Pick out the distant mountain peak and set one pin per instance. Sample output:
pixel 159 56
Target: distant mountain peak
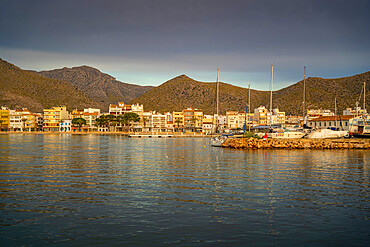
pixel 97 85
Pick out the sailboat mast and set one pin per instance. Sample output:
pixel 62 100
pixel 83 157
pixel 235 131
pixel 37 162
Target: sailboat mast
pixel 249 106
pixel 335 112
pixel 217 90
pixel 272 78
pixel 364 96
pixel 304 94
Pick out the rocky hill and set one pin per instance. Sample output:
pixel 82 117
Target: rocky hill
pixel 98 86
pixel 26 89
pixel 321 93
pixel 182 92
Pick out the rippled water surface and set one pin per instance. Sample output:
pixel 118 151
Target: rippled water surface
pixel 91 190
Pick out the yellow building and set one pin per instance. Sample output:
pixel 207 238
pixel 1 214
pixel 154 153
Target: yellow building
pixel 198 117
pixel 178 120
pixel 4 118
pixel 53 118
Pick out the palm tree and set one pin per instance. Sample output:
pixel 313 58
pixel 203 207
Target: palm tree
pixel 144 120
pixel 24 120
pixel 178 121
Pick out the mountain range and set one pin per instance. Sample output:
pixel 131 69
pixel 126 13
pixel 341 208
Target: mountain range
pixel 99 86
pixel 85 86
pixel 182 92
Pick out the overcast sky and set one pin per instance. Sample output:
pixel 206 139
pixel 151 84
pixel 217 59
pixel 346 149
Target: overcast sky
pixel 149 42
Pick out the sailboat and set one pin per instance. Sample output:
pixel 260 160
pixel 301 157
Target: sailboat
pixel 330 132
pixel 360 125
pixel 219 139
pixel 281 133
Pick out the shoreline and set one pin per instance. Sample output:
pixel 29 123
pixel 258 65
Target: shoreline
pixel 143 134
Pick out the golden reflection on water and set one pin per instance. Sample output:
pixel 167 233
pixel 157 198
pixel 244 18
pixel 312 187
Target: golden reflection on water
pixel 54 174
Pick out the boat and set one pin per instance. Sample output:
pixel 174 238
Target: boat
pixel 217 141
pixel 327 134
pixel 360 126
pixel 278 132
pixel 285 134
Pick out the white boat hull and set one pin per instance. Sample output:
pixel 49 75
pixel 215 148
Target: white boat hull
pixel 217 141
pixel 286 135
pixel 327 134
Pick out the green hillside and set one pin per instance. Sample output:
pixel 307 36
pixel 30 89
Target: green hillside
pixel 182 92
pixel 26 89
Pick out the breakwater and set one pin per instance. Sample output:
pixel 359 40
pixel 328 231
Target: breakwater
pixel 253 143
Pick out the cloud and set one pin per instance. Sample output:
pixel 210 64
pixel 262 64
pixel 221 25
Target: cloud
pixel 238 69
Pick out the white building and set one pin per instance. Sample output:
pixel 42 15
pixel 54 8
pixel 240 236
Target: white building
pixel 66 125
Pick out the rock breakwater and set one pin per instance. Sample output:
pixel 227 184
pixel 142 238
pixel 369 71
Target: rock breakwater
pixel 253 143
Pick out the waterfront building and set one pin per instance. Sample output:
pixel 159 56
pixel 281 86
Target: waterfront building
pixel 170 126
pixel 138 109
pixel 178 120
pixel 324 122
pixel 264 117
pixel 65 125
pixel 356 111
pixel 158 122
pixel 21 120
pixel 260 115
pixel 189 120
pixel 208 126
pixel 90 115
pixel 146 121
pixel 198 118
pixel 222 122
pixel 53 118
pixel 30 121
pixel 119 109
pixel 280 117
pixel 16 123
pixel 315 113
pixel 232 119
pixel 4 118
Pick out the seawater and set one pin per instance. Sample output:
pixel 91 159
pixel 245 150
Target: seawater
pixel 105 190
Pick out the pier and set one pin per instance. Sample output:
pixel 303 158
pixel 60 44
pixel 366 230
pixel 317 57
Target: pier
pixel 253 143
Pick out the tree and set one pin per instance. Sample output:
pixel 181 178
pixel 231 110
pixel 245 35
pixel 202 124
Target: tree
pixel 24 120
pixel 145 120
pixel 178 121
pixel 130 117
pixel 79 121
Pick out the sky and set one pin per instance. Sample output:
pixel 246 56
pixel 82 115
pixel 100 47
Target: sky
pixel 148 42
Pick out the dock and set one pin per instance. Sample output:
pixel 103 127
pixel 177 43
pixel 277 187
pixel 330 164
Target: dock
pixel 150 136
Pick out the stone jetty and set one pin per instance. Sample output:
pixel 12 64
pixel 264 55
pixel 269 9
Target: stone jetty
pixel 253 143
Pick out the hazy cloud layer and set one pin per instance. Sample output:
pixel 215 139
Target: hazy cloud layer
pixel 148 42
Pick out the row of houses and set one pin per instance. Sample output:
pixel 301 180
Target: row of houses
pixel 58 119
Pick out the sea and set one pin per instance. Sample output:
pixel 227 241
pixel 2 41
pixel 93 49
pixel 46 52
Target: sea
pixel 111 190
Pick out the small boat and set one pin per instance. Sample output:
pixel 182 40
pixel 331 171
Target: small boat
pixel 359 127
pixel 285 134
pixel 327 134
pixel 217 141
